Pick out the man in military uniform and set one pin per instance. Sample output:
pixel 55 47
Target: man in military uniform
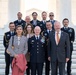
pixel 71 33
pixel 35 22
pixel 43 22
pixel 19 21
pixel 51 16
pixel 37 52
pixel 6 39
pixel 46 34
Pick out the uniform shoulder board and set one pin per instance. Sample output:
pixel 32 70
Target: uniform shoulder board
pixel 5 35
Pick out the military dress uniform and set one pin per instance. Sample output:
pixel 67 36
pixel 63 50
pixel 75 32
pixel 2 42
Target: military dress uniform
pixel 47 63
pixel 20 22
pixel 6 39
pixel 42 25
pixel 52 22
pixel 37 54
pixel 35 23
pixel 71 33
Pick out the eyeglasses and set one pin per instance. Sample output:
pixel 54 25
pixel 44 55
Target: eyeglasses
pixel 51 15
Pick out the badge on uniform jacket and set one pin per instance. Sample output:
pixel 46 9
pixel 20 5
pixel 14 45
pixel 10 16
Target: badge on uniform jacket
pixel 8 35
pixel 43 40
pixel 32 41
pixel 45 34
pixel 70 30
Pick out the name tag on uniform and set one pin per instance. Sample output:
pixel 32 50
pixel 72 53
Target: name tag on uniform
pixel 45 34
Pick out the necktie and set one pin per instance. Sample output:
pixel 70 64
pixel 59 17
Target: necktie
pixel 52 22
pixel 19 21
pixel 44 22
pixel 37 38
pixel 35 22
pixel 65 28
pixel 12 33
pixel 58 39
pixel 49 31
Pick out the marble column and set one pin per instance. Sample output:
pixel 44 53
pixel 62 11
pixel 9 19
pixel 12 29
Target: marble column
pixel 3 12
pixel 52 6
pixel 23 8
pixel 64 9
pixel 13 9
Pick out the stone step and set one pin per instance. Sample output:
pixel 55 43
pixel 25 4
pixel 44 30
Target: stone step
pixel 2 57
pixel 74 71
pixel 2 62
pixel 73 61
pixel 3 72
pixel 74 56
pixel 73 66
pixel 2 66
pixel 2 52
pixel 74 51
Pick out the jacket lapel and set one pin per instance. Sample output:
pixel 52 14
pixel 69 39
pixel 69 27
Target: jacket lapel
pixel 54 37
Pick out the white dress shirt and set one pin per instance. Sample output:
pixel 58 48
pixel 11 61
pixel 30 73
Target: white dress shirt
pixel 44 21
pixel 66 27
pixel 35 22
pixel 37 37
pixel 49 30
pixel 19 40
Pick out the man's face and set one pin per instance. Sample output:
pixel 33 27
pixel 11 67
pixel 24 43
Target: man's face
pixel 19 15
pixel 65 23
pixel 12 27
pixel 57 26
pixel 37 30
pixel 34 16
pixel 51 16
pixel 27 19
pixel 44 16
pixel 49 25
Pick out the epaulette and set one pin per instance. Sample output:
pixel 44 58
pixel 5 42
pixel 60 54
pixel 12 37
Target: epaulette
pixel 5 38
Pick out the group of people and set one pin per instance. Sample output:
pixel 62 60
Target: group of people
pixel 44 43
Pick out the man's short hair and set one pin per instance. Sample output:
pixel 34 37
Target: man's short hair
pixel 34 13
pixel 48 21
pixel 44 12
pixel 11 23
pixel 65 19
